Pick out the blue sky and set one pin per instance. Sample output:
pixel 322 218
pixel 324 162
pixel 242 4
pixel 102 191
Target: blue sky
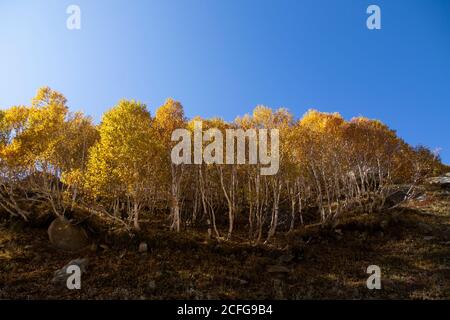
pixel 223 57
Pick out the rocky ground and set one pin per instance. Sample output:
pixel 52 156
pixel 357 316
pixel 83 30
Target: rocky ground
pixel 411 245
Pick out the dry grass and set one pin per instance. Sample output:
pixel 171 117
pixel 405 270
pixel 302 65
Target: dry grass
pixel 411 245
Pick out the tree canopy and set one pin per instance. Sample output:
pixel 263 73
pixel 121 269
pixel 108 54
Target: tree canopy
pixel 121 168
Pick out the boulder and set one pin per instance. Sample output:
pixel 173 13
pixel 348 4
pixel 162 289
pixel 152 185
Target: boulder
pixel 66 236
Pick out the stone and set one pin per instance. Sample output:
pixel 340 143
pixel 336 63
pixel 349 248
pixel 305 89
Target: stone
pixel 66 236
pixel 278 288
pixel 143 247
pixel 428 238
pixel 443 181
pixel 421 198
pixel 17 226
pixel 384 224
pixel 152 285
pixel 278 269
pixel 60 276
pixel 396 196
pixel 387 283
pixel 425 227
pixel 285 258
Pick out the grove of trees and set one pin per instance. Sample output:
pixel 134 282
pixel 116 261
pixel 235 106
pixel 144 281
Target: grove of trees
pixel 121 168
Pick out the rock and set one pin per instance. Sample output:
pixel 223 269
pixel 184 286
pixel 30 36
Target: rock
pixel 278 287
pixel 298 251
pixel 285 258
pixel 152 285
pixel 387 283
pixel 60 276
pixel 278 269
pixel 428 238
pixel 237 280
pixel 442 182
pixel 395 218
pixel 17 226
pixel 421 198
pixel 384 224
pixel 396 196
pixel 66 236
pixel 425 227
pixel 104 247
pixel 338 231
pixel 143 247
pixel 93 247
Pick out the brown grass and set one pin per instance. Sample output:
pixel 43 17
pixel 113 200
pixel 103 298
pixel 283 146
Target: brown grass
pixel 327 264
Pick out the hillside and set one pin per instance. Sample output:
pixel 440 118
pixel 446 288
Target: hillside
pixel 410 243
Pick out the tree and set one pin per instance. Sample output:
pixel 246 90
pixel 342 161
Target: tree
pixel 121 165
pixel 122 168
pixel 39 145
pixel 170 116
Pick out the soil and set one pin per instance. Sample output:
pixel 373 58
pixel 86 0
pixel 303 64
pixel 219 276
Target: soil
pixel 410 244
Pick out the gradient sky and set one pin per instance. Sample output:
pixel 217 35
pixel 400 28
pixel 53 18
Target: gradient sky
pixel 223 57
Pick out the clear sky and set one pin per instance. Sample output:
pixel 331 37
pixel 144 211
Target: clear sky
pixel 223 57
